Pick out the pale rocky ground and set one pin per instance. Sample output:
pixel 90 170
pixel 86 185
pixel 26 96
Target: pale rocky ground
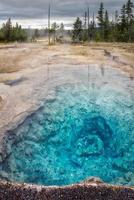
pixel 25 69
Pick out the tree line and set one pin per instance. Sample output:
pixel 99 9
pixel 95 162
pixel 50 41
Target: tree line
pixel 10 33
pixel 104 28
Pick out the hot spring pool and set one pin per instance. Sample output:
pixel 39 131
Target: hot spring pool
pixel 84 128
pixel 80 132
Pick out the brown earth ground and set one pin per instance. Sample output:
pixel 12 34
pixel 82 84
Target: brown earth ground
pixel 17 57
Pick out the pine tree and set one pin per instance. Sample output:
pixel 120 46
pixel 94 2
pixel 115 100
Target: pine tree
pixel 9 33
pixel 120 29
pixel 36 33
pixel 129 18
pixel 106 26
pixel 116 16
pixel 92 27
pixel 62 30
pixel 77 31
pixel 123 32
pixel 123 18
pixel 93 22
pixel 100 18
pixel 54 28
pixel 129 11
pixel 7 28
pixel 88 21
pixel 85 21
pixel 114 27
pixel 85 29
pixel 101 15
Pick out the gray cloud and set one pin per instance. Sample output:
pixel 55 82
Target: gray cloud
pixel 63 10
pixel 60 8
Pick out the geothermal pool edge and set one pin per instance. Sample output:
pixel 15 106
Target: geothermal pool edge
pixel 93 189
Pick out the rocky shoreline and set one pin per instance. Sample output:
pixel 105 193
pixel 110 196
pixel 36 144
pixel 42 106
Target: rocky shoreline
pixel 93 189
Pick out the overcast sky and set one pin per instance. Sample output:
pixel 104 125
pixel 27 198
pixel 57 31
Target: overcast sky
pixel 34 12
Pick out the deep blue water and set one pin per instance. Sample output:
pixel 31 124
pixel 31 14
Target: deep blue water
pixel 77 134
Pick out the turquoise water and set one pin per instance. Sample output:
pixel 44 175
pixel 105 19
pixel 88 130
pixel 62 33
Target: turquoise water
pixel 79 133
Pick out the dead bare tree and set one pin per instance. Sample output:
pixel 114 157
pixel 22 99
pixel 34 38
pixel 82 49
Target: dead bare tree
pixel 88 24
pixel 49 24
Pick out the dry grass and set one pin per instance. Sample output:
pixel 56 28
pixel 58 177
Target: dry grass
pixel 29 56
pixel 1 102
pixel 8 69
pixel 8 62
